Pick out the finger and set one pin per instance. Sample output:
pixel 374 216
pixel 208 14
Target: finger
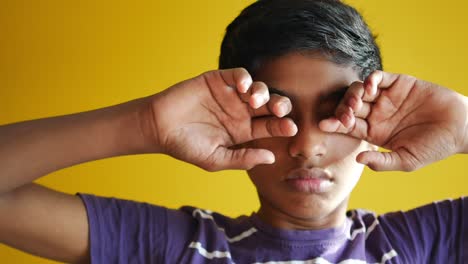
pixel 259 95
pixel 345 115
pixel 358 128
pixel 378 79
pixel 273 127
pixel 243 159
pixel 399 160
pixel 238 78
pixel 356 98
pixel 350 103
pixel 331 125
pixel 223 83
pixel 364 111
pixel 353 96
pixel 277 105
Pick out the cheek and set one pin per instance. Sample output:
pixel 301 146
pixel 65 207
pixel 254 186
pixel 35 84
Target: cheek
pixel 341 151
pixel 267 175
pixel 277 145
pixel 343 148
pixel 262 183
pixel 345 167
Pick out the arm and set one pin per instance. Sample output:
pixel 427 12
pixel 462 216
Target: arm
pixel 197 121
pixel 46 222
pixel 35 148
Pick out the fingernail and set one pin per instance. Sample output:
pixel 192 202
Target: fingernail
pixel 258 100
pixel 283 109
pixel 294 130
pixel 246 85
pixel 270 160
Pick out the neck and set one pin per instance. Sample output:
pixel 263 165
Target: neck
pixel 302 221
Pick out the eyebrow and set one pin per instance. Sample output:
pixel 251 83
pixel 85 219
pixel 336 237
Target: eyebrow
pixel 323 96
pixel 277 91
pixel 334 94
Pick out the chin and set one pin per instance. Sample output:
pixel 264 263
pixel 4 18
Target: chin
pixel 326 211
pixel 314 207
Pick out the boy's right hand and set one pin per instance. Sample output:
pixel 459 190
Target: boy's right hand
pixel 205 120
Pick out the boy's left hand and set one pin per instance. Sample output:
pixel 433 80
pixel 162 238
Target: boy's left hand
pixel 419 122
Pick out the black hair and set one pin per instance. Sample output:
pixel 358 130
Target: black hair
pixel 271 28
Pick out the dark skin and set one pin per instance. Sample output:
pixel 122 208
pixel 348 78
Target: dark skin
pixel 315 86
pixel 419 122
pixel 205 121
pixel 321 100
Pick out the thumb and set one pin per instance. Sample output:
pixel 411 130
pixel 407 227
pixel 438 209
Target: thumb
pixel 381 161
pixel 243 158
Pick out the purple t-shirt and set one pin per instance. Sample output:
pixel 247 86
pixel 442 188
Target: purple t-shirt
pixel 124 231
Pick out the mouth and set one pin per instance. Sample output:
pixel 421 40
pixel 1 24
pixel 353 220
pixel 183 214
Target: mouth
pixel 315 180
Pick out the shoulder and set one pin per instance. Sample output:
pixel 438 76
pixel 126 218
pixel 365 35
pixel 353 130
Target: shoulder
pixel 154 232
pixel 441 211
pixel 419 235
pixel 207 219
pixel 116 209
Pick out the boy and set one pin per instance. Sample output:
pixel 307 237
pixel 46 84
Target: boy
pixel 297 116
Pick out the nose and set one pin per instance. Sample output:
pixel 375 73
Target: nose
pixel 309 143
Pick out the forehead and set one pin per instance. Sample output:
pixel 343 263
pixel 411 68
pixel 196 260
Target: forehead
pixel 305 76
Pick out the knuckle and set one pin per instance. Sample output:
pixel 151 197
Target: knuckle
pixel 205 166
pixel 210 164
pixel 269 127
pixel 407 166
pixel 354 87
pixel 210 74
pixel 211 168
pixel 375 76
pixel 377 73
pixel 387 160
pixel 241 70
pixel 340 110
pixel 357 132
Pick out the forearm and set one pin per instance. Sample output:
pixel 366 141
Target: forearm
pixel 31 149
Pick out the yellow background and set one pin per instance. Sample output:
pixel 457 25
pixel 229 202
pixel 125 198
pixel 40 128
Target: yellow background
pixel 59 57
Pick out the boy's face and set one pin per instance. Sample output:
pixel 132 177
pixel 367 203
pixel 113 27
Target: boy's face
pixel 309 184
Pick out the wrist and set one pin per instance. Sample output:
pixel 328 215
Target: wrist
pixel 143 130
pixel 126 128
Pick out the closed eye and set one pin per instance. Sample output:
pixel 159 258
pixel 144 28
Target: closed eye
pixel 328 103
pixel 326 109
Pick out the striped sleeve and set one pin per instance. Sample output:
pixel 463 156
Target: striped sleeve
pixel 434 233
pixel 123 231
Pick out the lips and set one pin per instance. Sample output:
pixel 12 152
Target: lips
pixel 314 173
pixel 313 180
